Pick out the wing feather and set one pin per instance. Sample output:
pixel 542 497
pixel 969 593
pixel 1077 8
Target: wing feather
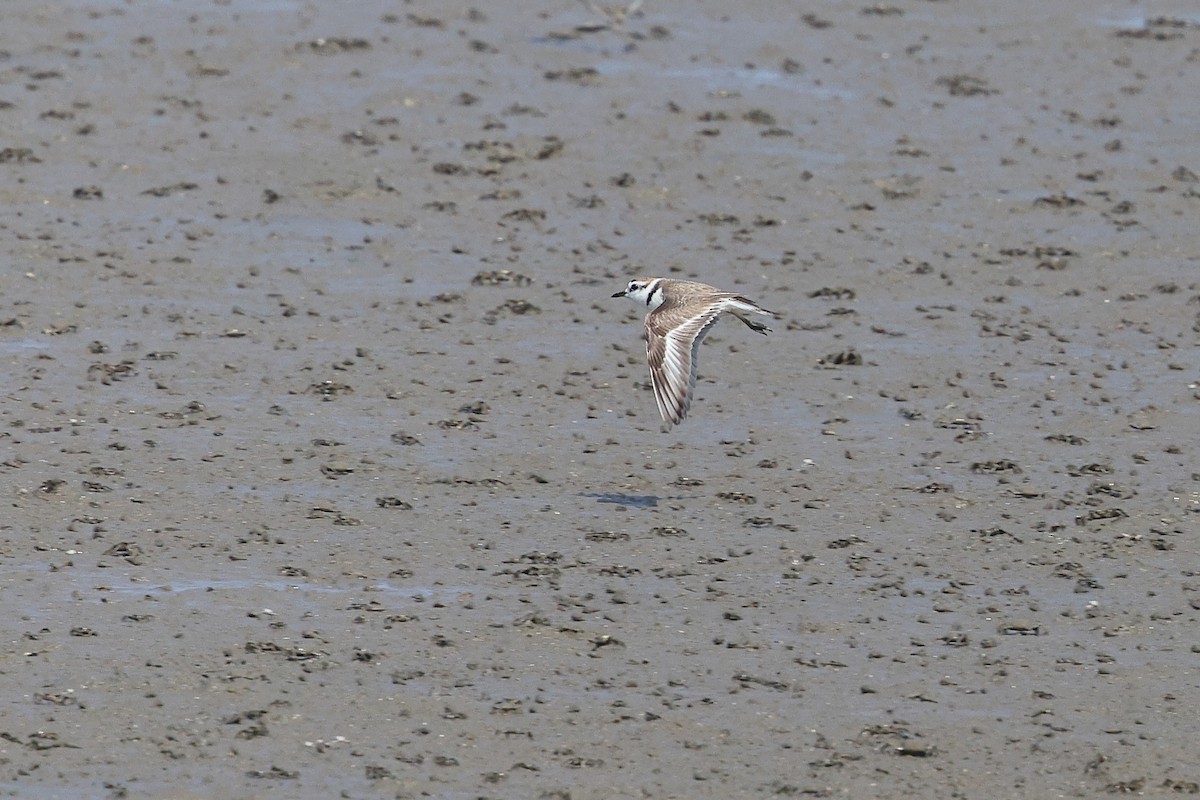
pixel 672 350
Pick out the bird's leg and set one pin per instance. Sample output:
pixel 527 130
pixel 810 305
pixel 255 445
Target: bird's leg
pixel 752 324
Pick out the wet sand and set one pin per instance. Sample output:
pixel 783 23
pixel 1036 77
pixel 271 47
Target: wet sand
pixel 332 467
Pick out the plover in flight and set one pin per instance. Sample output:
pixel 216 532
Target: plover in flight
pixel 681 315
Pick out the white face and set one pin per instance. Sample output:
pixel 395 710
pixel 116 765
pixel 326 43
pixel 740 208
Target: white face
pixel 640 291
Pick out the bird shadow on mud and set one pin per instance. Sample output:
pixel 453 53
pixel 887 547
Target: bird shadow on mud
pixel 631 500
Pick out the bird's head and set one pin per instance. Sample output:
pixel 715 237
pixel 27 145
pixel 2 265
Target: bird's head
pixel 643 290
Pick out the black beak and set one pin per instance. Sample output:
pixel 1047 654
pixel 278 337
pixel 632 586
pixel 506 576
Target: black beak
pixel 620 293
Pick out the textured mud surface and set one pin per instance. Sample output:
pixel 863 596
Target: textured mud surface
pixel 330 468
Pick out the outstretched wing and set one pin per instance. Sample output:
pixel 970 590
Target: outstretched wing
pixel 671 350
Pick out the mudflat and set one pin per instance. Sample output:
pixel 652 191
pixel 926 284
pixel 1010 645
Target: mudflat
pixel 331 466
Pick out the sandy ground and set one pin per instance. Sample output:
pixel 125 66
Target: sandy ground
pixel 331 468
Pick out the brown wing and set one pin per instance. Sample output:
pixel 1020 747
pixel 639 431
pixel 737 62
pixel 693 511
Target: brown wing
pixel 671 349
